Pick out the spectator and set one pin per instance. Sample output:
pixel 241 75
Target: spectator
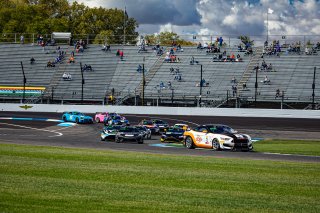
pixel 139 69
pixel 266 80
pixel 32 60
pixel 118 53
pixel 244 86
pixel 277 93
pixel 169 85
pixel 121 55
pixel 234 90
pixel 21 39
pixel 87 68
pixel 220 41
pixel 71 59
pixel 234 80
pixel 50 64
pixel 162 85
pixel 66 76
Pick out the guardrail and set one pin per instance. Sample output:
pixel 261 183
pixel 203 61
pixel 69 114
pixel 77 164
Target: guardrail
pixel 273 113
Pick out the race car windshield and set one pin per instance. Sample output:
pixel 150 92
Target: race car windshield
pixel 78 113
pixel 222 129
pixel 147 122
pixel 129 130
pixel 117 117
pixel 112 127
pixel 159 122
pixel 175 130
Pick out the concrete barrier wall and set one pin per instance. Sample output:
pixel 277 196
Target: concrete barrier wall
pixel 276 113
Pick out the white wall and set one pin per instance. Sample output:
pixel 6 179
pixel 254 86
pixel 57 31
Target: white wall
pixel 277 113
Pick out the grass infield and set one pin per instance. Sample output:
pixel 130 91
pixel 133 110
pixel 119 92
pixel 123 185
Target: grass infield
pixel 52 179
pixel 309 147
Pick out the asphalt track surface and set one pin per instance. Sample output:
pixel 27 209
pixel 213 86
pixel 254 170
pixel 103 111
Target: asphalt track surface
pixel 47 133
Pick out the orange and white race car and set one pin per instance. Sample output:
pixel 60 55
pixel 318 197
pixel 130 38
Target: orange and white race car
pixel 216 137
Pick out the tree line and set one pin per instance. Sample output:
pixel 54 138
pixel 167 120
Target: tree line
pixel 45 17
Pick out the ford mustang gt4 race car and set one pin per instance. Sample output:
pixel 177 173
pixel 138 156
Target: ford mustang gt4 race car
pixel 77 117
pixel 129 133
pixel 216 137
pixel 109 132
pixel 172 134
pixel 116 120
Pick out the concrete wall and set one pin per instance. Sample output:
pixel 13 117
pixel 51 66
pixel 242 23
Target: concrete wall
pixel 276 113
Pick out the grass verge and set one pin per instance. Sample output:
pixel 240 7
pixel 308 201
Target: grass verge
pixel 309 147
pixel 51 179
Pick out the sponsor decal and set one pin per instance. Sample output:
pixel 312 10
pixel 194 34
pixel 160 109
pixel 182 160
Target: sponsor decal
pixel 198 139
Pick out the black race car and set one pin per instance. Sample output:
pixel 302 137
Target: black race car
pixel 145 131
pixel 162 125
pixel 129 133
pixel 172 134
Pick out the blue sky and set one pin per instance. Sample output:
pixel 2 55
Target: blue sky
pixel 221 17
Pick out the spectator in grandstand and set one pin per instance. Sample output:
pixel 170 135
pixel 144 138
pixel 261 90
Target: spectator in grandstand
pixel 71 59
pixel 244 86
pixel 42 45
pixel 139 69
pixel 234 80
pixel 220 41
pixel 118 53
pixel 32 60
pixel 167 58
pixel 264 65
pixel 199 47
pixel 240 47
pixel 307 51
pixel 169 85
pixel 232 58
pixel 106 47
pixel 179 49
pixel 266 44
pixel 159 51
pixel 266 80
pixel 193 61
pixel 162 85
pixel 171 51
pixel 121 55
pixel 50 64
pixel 21 39
pixel 66 76
pixel 234 90
pixel 87 68
pixel 277 93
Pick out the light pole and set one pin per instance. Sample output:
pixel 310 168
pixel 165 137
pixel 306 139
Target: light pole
pixel 200 85
pixel 143 84
pixel 313 86
pixel 256 87
pixel 82 82
pixel 24 84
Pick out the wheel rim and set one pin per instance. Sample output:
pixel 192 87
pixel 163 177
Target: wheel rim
pixel 215 144
pixel 98 120
pixel 188 142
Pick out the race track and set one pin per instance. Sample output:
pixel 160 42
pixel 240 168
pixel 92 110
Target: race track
pixel 42 129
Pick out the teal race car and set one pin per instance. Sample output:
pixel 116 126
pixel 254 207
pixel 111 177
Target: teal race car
pixel 77 117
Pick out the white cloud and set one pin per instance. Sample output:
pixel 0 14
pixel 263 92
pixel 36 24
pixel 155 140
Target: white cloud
pixel 221 17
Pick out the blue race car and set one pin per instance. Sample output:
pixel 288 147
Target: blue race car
pixel 77 117
pixel 116 120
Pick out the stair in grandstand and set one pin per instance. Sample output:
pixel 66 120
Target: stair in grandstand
pixel 254 61
pixel 152 71
pixel 57 75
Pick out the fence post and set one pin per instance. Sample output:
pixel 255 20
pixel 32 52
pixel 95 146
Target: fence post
pixel 88 39
pixel 15 38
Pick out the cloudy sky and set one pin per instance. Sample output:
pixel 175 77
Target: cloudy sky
pixel 221 17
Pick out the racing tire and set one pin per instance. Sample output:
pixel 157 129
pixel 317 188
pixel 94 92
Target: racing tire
pixel 149 137
pixel 77 120
pixel 102 139
pixel 189 143
pixel 97 120
pixel 117 140
pixel 140 141
pixel 64 118
pixel 215 144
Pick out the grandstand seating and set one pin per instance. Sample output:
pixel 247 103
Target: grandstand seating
pixel 294 74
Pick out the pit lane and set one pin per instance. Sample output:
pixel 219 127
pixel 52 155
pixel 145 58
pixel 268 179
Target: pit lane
pixel 41 131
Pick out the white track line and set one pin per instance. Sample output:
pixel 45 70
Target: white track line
pixel 44 130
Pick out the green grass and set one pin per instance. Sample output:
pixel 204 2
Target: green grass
pixel 52 179
pixel 289 147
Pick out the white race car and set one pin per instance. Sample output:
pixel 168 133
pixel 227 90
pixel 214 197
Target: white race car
pixel 216 137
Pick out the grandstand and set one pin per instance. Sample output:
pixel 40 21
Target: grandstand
pixel 292 73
